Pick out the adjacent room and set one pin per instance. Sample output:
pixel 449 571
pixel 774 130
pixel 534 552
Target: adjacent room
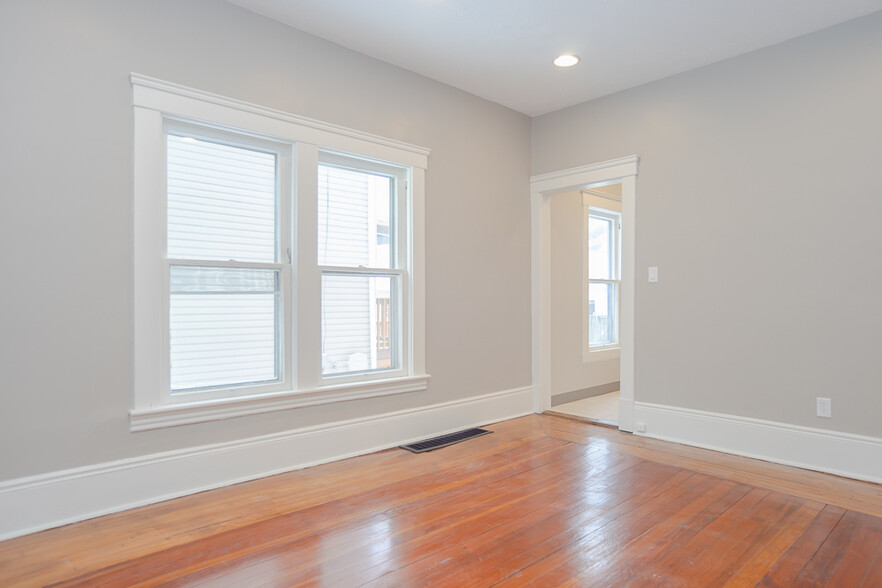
pixel 253 247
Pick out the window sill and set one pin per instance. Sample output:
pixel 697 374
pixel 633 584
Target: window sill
pixel 145 419
pixel 600 354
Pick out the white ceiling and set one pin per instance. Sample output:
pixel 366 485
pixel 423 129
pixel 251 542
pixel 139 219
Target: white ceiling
pixel 502 50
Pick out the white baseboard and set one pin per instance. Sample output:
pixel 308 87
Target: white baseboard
pixel 57 498
pixel 843 454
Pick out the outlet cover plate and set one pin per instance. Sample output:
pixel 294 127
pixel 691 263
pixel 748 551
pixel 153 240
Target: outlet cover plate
pixel 824 407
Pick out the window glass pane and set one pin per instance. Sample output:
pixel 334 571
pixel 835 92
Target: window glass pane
pixel 358 323
pixel 354 218
pixel 601 314
pixel 221 201
pixel 223 325
pixel 600 247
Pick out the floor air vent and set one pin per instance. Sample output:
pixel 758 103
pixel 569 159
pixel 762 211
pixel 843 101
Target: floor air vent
pixel 444 440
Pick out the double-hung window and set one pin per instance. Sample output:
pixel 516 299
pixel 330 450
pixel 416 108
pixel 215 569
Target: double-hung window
pixel 603 278
pixel 278 260
pixel 227 283
pixel 363 264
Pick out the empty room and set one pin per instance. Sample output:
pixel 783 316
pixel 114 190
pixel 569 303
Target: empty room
pixel 440 292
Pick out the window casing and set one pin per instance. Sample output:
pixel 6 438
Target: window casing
pixel 240 289
pixel 601 279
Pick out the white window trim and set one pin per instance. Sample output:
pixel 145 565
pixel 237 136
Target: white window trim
pixel 599 352
pixel 156 101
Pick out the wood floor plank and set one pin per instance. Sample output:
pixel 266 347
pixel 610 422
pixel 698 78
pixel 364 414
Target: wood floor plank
pixel 845 556
pixel 674 533
pixel 601 538
pixel 171 523
pixel 543 500
pixel 754 569
pixel 491 557
pixel 283 529
pixel 595 565
pixel 422 518
pixel 486 528
pixel 123 536
pixel 418 546
pixel 872 577
pixel 718 558
pixel 789 566
pixel 861 555
pixel 864 497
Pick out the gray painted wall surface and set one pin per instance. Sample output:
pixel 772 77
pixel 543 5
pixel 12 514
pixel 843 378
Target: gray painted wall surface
pixel 743 166
pixel 66 213
pixel 759 199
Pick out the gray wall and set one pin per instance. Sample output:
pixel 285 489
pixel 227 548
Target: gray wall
pixel 759 199
pixel 66 213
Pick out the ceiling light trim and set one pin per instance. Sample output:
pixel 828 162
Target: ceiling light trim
pixel 566 60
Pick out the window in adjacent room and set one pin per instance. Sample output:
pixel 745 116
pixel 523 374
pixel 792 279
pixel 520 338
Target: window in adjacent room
pixel 602 278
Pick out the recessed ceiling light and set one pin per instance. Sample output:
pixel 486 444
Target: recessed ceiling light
pixel 566 60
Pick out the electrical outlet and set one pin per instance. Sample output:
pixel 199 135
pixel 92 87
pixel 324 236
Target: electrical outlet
pixel 825 407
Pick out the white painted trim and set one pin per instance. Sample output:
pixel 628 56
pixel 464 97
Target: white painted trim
pixel 57 498
pixel 216 409
pixel 579 178
pixel 843 454
pixel 416 231
pixel 184 101
pixel 542 187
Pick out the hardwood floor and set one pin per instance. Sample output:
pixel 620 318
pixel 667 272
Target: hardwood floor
pixel 543 500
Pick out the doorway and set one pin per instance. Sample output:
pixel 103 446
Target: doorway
pixel 544 188
pixel 585 303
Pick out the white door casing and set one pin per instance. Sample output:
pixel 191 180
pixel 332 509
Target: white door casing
pixel 542 188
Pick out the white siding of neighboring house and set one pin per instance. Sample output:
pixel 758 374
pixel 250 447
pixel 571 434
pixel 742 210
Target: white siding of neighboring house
pixel 347 235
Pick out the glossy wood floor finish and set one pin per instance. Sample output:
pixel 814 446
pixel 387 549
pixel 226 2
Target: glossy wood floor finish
pixel 543 500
